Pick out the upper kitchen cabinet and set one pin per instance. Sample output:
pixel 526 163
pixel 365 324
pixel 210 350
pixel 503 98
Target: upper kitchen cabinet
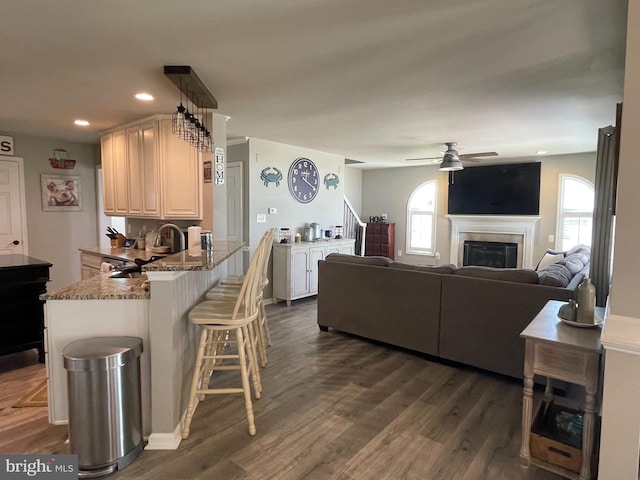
pixel 142 154
pixel 181 176
pixel 115 173
pixel 149 172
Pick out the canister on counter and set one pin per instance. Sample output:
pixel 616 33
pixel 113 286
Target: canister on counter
pixel 285 235
pixel 206 240
pixel 308 234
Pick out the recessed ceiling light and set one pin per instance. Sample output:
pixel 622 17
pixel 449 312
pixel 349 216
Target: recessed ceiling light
pixel 82 123
pixel 541 152
pixel 144 96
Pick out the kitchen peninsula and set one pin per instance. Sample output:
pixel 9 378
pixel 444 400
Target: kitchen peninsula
pixel 152 306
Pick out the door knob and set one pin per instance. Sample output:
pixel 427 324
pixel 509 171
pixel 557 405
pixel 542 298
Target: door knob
pixel 16 242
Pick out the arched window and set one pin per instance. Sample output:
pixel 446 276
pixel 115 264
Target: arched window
pixel 421 219
pixel 575 212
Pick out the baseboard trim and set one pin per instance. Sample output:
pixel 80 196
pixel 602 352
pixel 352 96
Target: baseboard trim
pixel 166 441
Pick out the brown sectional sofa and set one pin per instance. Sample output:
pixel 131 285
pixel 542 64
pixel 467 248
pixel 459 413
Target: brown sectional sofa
pixel 471 315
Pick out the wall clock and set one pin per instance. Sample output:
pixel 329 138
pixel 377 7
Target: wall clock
pixel 303 180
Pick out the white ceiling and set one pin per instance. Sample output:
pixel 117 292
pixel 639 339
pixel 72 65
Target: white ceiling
pixel 376 81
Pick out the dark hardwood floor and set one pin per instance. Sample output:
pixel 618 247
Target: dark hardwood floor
pixel 333 406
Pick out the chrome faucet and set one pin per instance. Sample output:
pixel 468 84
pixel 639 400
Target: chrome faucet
pixel 158 239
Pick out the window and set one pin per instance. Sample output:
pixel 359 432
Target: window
pixel 575 212
pixel 421 219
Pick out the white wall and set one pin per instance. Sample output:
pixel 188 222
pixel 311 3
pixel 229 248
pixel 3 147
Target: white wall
pixel 621 335
pixel 388 190
pixel 57 236
pixel 353 188
pixel 327 208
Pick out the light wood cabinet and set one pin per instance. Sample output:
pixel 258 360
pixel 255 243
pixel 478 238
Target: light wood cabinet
pixel 115 172
pixel 89 265
pixel 295 266
pixel 136 174
pixel 149 172
pixel 181 176
pixel 142 153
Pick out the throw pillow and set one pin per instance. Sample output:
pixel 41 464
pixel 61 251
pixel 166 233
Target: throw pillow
pixel 549 258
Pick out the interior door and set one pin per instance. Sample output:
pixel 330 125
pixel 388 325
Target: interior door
pixel 13 216
pixel 234 214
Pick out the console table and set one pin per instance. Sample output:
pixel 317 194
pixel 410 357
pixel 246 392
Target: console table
pixel 563 352
pixel 22 280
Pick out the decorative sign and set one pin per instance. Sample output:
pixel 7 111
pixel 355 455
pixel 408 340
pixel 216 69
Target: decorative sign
pixel 331 180
pixel 219 160
pixel 60 160
pixel 6 145
pixel 271 175
pixel 207 172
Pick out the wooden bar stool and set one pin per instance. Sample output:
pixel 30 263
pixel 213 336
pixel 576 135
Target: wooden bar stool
pixel 225 323
pixel 227 292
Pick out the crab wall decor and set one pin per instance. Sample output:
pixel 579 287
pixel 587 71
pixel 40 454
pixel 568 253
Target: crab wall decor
pixel 271 175
pixel 331 180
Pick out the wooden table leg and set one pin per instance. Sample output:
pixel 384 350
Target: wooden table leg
pixel 527 404
pixel 588 426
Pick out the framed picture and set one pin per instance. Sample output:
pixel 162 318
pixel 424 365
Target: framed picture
pixel 60 193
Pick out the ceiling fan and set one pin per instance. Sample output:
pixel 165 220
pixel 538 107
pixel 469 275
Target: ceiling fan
pixel 452 160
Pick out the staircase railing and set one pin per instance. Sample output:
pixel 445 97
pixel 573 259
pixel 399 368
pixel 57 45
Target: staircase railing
pixel 354 227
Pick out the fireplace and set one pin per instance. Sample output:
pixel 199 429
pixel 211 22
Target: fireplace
pixel 490 254
pixel 493 228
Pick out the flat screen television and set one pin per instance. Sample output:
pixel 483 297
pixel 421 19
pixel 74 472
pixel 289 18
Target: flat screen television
pixel 510 189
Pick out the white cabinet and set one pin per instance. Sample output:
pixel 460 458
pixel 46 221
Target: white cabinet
pixel 295 266
pixel 149 172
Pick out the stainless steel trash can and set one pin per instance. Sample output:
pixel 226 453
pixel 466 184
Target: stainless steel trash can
pixel 105 421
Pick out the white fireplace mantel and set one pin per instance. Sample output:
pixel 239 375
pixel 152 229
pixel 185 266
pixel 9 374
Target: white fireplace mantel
pixel 522 226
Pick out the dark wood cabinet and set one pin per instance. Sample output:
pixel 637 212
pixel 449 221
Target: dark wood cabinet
pixel 22 280
pixel 380 239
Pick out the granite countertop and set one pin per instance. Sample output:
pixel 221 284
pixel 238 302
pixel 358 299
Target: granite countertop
pixel 184 260
pixel 127 254
pixel 102 287
pixel 195 259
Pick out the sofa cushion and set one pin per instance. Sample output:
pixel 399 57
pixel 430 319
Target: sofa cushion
pixel 447 268
pixel 517 275
pixel 555 275
pixel 343 258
